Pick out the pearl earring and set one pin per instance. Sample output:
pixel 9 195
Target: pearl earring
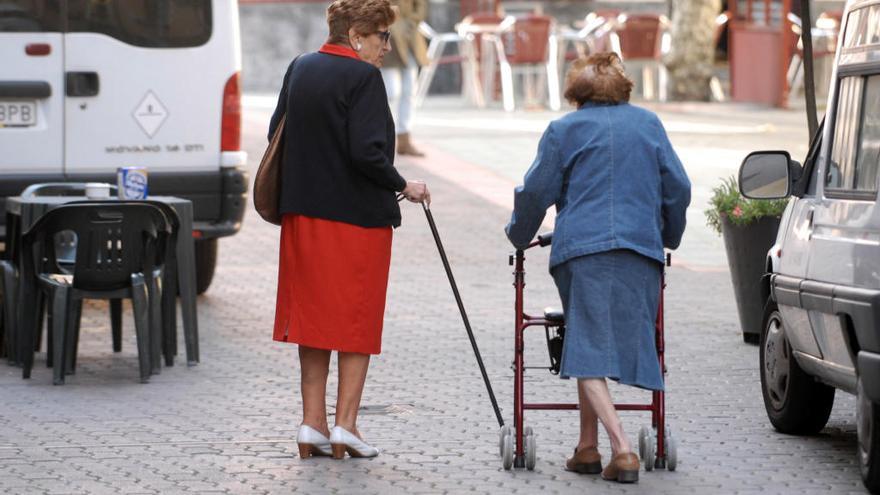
pixel 359 46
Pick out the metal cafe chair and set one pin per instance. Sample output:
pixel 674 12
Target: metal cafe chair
pixel 467 40
pixel 528 45
pixel 595 33
pixel 825 34
pixel 118 250
pixel 437 43
pixel 644 39
pixel 715 86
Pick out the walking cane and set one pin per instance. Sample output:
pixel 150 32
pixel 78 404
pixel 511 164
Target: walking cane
pixel 464 318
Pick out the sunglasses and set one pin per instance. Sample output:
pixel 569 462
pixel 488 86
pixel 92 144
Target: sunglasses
pixel 385 35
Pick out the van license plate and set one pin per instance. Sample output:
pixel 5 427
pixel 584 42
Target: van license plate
pixel 18 113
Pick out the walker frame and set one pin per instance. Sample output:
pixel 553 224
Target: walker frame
pixel 657 447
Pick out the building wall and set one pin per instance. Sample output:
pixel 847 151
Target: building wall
pixel 272 34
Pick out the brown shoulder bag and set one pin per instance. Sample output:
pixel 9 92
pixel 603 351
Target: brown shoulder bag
pixel 267 184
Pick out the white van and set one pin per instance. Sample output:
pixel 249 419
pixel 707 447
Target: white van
pixel 87 86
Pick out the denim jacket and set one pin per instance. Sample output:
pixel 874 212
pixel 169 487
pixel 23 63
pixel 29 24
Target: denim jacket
pixel 615 180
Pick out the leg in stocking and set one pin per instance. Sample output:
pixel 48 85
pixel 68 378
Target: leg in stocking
pixel 315 365
pixel 595 390
pixel 589 435
pixel 352 375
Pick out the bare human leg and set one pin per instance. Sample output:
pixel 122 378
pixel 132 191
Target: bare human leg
pixel 595 391
pixel 315 366
pixel 352 375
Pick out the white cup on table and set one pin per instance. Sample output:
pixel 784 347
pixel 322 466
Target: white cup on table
pixel 97 190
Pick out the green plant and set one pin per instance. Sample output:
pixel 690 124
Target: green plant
pixel 727 202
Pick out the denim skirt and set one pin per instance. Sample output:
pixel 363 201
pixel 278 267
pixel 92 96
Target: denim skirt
pixel 610 302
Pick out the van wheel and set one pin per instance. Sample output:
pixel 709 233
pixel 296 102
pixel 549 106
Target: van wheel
pixel 795 402
pixel 206 262
pixel 868 428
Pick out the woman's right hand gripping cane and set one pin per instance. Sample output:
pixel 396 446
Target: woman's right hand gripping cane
pixel 416 191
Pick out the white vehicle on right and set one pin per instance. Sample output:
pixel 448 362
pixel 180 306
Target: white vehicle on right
pixel 821 328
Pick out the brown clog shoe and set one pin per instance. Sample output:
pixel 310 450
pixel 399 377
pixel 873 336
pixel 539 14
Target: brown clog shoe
pixel 585 461
pixel 624 468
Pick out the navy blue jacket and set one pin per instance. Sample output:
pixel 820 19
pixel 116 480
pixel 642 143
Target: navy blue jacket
pixel 615 180
pixel 338 142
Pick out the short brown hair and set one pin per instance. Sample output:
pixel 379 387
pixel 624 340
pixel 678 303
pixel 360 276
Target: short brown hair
pixel 597 78
pixel 365 16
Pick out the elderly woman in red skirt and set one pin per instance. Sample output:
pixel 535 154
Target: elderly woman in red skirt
pixel 339 204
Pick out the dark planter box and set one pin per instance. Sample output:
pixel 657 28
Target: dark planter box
pixel 747 248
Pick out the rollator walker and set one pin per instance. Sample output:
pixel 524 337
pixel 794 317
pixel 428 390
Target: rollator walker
pixel 657 446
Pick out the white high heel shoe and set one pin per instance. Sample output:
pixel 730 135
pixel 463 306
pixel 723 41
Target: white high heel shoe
pixel 342 441
pixel 312 442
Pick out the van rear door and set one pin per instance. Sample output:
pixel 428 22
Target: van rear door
pixel 31 88
pixel 146 84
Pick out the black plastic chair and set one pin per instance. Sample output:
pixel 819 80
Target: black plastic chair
pixel 169 283
pixel 64 249
pixel 118 252
pixel 168 275
pixel 8 281
pixel 65 256
pixel 60 189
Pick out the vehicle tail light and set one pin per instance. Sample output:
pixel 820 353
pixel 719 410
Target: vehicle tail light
pixel 38 49
pixel 230 137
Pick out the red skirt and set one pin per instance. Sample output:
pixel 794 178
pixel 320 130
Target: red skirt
pixel 332 280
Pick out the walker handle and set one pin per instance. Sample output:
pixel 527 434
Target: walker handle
pixel 545 239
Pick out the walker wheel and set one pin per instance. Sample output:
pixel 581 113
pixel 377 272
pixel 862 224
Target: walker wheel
pixel 671 451
pixel 650 453
pixel 530 448
pixel 643 435
pixel 507 451
pixel 505 430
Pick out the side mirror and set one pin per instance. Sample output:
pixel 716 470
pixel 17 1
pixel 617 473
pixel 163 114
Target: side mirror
pixel 766 175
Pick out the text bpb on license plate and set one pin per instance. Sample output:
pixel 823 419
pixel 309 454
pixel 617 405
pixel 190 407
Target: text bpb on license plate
pixel 18 113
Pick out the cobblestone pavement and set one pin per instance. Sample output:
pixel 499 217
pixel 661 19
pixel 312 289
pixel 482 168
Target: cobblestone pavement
pixel 228 425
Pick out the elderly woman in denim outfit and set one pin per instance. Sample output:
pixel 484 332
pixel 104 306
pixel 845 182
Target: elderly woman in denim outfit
pixel 620 193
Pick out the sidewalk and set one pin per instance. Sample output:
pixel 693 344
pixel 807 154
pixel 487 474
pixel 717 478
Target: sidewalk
pixel 228 425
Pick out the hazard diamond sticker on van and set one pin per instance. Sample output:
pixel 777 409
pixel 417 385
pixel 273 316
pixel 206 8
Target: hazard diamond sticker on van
pixel 150 114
